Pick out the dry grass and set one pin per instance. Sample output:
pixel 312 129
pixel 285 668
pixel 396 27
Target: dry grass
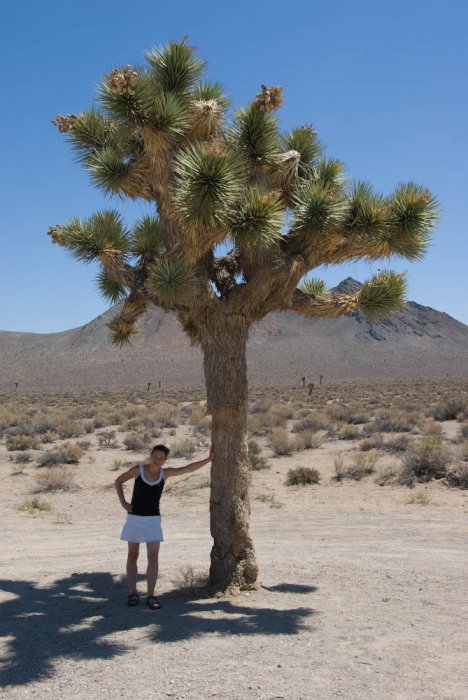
pixel 55 479
pixel 34 504
pixel 427 459
pixel 190 583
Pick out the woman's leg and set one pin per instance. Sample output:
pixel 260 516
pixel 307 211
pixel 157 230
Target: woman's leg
pixel 132 570
pixel 152 571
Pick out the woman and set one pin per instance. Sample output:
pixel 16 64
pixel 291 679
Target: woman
pixel 143 523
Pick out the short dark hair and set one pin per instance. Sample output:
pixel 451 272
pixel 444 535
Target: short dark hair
pixel 161 448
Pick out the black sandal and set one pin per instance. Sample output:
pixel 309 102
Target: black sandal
pixel 153 603
pixel 133 600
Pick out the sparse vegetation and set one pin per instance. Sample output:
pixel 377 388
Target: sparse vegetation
pixel 58 478
pixel 21 442
pixel 421 498
pixel 426 459
pixel 450 409
pixel 302 476
pixel 33 504
pixel 257 460
pixel 191 583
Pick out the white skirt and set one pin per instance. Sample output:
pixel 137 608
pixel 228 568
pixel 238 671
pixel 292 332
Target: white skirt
pixel 142 528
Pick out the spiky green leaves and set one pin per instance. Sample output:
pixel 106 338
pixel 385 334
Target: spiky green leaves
pixel 121 331
pixel 314 286
pixel 146 240
pixel 382 295
pixel 257 220
pixel 317 211
pixel 167 115
pixel 367 215
pixel 127 106
pixel 111 289
pixel 211 91
pixel 330 173
pixel 175 67
pixel 303 140
pixel 103 234
pixel 413 212
pixel 171 281
pixel 108 170
pixel 255 134
pixel 209 181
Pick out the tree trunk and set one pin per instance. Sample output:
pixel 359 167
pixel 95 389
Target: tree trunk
pixel 233 563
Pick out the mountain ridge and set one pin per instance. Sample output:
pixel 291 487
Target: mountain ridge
pixel 415 342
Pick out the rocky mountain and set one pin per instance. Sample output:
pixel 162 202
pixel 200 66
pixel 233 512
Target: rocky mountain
pixel 418 343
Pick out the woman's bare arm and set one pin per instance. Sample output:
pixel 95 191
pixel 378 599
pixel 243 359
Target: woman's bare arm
pixel 118 483
pixel 178 471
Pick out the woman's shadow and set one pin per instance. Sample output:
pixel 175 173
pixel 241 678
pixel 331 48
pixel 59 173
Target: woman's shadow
pixel 73 618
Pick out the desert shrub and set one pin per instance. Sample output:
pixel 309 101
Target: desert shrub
pixel 259 408
pixel 262 422
pixel 421 498
pixel 184 448
pixel 340 468
pixel 49 436
pixel 306 440
pixel 69 429
pixel 425 460
pixel 20 428
pixel 388 422
pixel 198 414
pixel 400 443
pixel 21 442
pixel 362 465
pixel 45 426
pixel 190 583
pixel 166 417
pixel 371 443
pixel 301 476
pixel 458 478
pixel 316 421
pixel 55 479
pixel 283 411
pixel 349 432
pixel 203 426
pixel 257 460
pixel 137 441
pixel 30 505
pixel 386 476
pixel 84 445
pixel 356 418
pixel 449 410
pixel 22 457
pixel 280 442
pixel 66 454
pixel 89 425
pixel 107 438
pixel 339 412
pixel 430 427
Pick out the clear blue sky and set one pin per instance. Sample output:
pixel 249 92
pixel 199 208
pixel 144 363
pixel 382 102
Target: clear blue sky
pixel 384 83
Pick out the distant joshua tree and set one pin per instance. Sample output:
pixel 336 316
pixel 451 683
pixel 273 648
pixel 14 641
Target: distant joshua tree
pixel 241 213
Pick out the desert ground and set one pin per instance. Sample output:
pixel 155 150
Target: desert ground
pixel 362 569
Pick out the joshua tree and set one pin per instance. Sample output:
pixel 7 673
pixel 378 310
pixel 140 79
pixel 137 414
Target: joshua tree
pixel 241 213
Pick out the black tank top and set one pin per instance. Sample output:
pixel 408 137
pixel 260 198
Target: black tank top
pixel 146 494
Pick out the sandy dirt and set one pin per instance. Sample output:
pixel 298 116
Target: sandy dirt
pixel 363 594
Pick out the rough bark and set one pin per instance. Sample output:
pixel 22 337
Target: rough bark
pixel 233 563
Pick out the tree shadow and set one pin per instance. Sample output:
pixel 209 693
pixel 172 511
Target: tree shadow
pixel 74 617
pixel 290 588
